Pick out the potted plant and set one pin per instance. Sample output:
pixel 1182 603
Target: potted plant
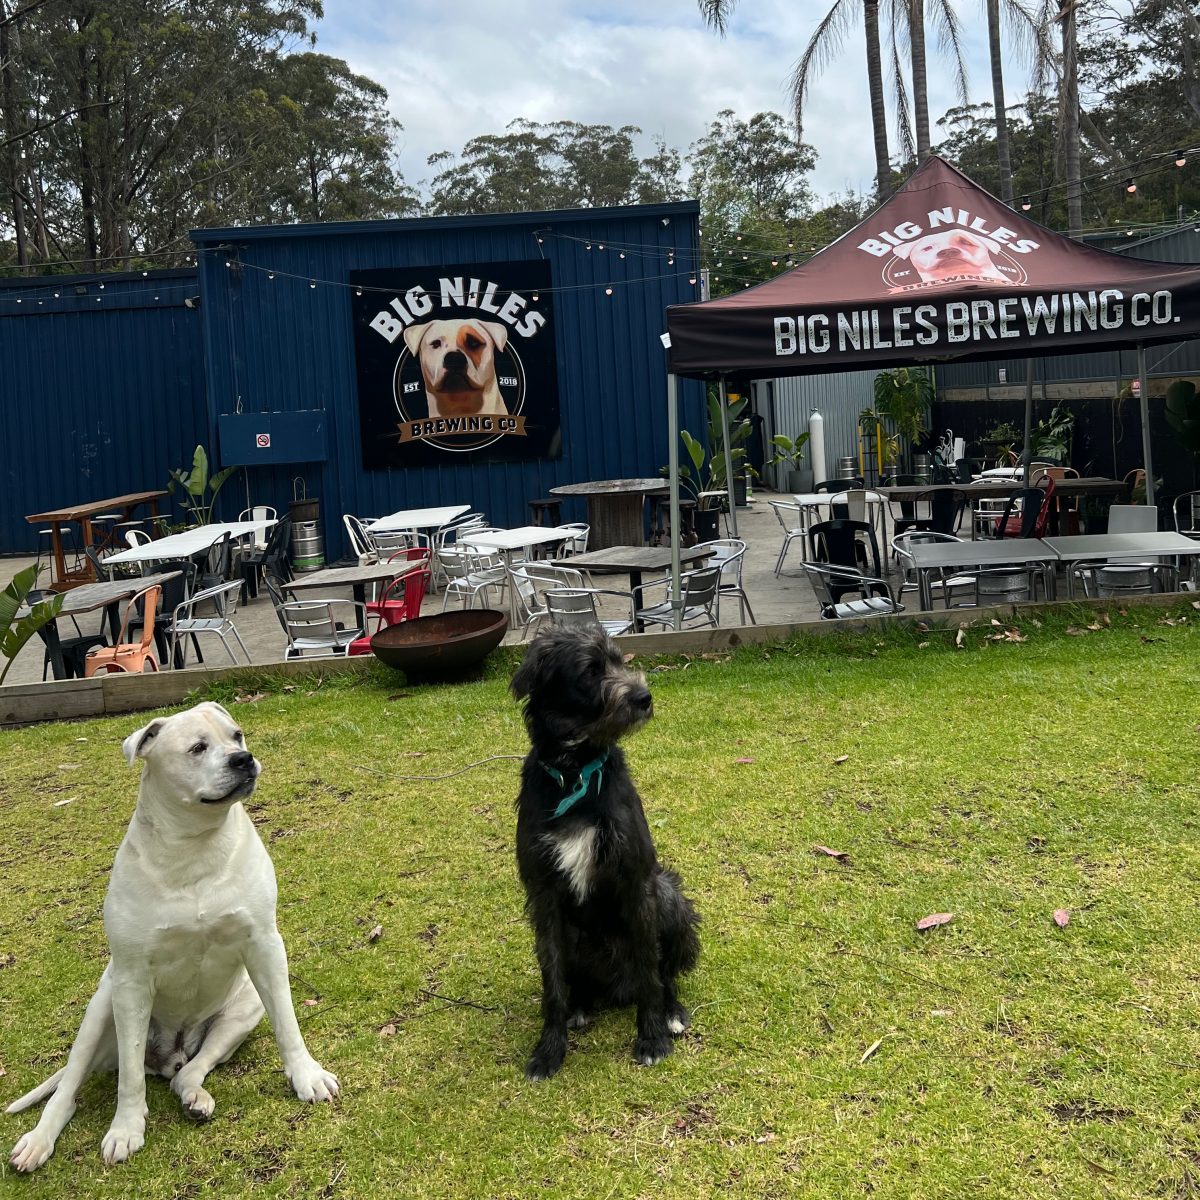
pixel 15 633
pixel 903 396
pixel 705 479
pixel 1052 437
pixel 199 488
pixel 789 453
pixel 1002 440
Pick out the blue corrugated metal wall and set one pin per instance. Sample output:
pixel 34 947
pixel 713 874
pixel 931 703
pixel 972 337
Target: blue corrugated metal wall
pixel 103 390
pixel 281 345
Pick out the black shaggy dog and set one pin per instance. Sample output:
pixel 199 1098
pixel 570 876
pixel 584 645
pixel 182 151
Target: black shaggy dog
pixel 612 926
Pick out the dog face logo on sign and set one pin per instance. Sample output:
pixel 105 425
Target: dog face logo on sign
pixel 456 361
pixel 949 246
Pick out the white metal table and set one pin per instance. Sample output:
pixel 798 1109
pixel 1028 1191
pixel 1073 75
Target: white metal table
pixel 417 518
pixel 189 542
pixel 508 541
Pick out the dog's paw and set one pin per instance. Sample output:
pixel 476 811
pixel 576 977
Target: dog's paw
pixel 31 1151
pixel 197 1103
pixel 678 1020
pixel 312 1083
pixel 579 1020
pixel 545 1061
pixel 122 1141
pixel 651 1050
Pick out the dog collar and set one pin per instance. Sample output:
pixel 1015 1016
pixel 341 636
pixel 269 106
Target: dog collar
pixel 588 772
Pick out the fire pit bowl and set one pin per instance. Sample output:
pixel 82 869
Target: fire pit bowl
pixel 447 646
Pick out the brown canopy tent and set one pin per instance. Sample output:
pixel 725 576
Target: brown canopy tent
pixel 941 271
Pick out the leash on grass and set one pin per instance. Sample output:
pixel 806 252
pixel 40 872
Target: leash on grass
pixel 435 778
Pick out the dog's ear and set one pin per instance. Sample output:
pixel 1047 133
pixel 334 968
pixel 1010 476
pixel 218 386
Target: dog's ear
pixel 413 335
pixel 523 681
pixel 903 250
pixel 137 745
pixel 990 243
pixel 497 331
pixel 219 707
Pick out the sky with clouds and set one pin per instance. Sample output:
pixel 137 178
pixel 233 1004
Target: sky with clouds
pixel 455 70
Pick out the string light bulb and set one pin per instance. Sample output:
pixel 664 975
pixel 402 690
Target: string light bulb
pixel 312 283
pixel 774 262
pixel 1180 158
pixel 622 255
pixel 739 237
pixel 608 291
pixel 691 279
pixel 588 246
pixel 535 296
pixel 270 274
pixel 358 291
pixel 1026 204
pixel 1131 185
pixel 601 246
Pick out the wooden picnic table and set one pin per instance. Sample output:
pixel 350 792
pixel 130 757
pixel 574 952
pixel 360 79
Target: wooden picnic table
pixel 64 579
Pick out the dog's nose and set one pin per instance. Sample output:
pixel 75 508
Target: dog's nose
pixel 456 360
pixel 243 760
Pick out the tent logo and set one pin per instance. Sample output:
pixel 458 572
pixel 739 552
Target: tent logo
pixel 953 246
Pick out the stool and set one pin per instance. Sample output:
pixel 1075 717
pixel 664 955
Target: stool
pixel 546 513
pixel 660 521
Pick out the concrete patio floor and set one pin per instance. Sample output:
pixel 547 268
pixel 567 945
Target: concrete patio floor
pixel 788 598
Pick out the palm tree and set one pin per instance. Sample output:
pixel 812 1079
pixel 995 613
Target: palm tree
pixel 824 43
pixel 1069 116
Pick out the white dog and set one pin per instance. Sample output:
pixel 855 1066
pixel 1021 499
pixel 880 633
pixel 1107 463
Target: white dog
pixel 190 919
pixel 458 365
pixel 951 254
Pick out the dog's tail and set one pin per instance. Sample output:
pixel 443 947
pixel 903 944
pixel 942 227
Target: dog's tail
pixel 677 925
pixel 38 1094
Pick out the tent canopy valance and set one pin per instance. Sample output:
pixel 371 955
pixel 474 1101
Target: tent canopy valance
pixel 941 271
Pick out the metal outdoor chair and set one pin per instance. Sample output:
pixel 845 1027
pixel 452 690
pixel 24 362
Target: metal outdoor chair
pixel 1026 512
pixel 965 469
pixel 575 608
pixel 947 585
pixel 254 562
pixel 838 485
pixel 787 512
pixel 576 543
pixel 185 623
pixel 1185 510
pixel 323 628
pixel 833 583
pixel 699 600
pixel 729 554
pixel 364 547
pixel 126 657
pixel 259 512
pixel 1119 578
pixel 530 581
pixel 469 573
pixel 846 543
pixel 74 649
pixel 218 564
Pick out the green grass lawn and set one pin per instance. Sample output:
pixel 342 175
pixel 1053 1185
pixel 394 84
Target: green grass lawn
pixel 999 781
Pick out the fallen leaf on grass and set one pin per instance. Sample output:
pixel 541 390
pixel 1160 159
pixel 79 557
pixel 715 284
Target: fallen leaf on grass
pixel 375 934
pixel 743 760
pixel 922 627
pixel 841 758
pixel 960 637
pixel 922 645
pixel 870 1050
pixel 249 697
pixel 309 1003
pixel 1196 603
pixel 68 766
pixel 934 920
pixel 1105 619
pixel 832 853
pixel 766 1137
pixel 1062 917
pixel 3 1072
pixel 68 800
pixel 388 1030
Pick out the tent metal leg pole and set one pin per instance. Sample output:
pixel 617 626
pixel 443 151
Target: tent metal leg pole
pixel 1145 405
pixel 1028 454
pixel 673 467
pixel 728 460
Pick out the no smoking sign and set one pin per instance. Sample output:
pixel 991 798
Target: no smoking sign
pixel 262 441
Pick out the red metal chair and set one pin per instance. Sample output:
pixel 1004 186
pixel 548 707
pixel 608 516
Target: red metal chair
pixel 400 600
pixel 128 657
pixel 1034 512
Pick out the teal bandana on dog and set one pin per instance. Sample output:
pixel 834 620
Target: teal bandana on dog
pixel 588 772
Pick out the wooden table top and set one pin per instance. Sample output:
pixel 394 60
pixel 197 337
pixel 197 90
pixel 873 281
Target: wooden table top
pixel 90 596
pixel 1088 485
pixel 610 487
pixel 634 558
pixel 350 576
pixel 76 512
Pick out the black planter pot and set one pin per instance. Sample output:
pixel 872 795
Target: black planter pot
pixel 707 523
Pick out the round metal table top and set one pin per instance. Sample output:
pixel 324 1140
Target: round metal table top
pixel 610 487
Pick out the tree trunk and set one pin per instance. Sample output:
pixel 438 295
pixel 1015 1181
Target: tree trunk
pixel 1003 157
pixel 883 166
pixel 1070 119
pixel 916 26
pixel 9 109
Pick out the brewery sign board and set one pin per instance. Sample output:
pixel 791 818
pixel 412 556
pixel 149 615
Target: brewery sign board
pixel 456 363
